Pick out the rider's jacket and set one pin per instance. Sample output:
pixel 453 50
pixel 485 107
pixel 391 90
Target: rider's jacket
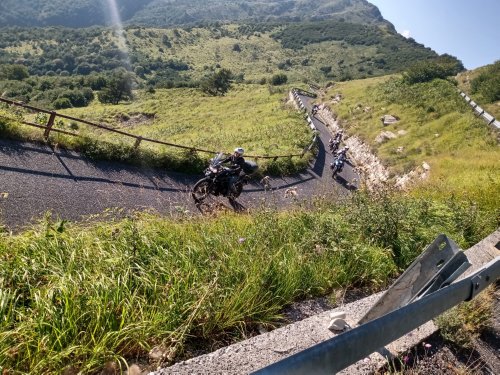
pixel 237 162
pixel 341 155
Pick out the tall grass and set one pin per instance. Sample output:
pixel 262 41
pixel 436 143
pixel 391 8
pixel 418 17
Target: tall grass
pixel 75 298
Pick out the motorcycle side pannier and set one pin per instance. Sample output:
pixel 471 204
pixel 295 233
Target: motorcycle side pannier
pixel 250 167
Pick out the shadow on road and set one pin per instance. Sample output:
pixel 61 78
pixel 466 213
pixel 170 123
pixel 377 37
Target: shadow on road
pixel 89 179
pixel 345 184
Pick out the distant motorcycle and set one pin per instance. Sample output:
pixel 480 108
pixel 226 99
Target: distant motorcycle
pixel 314 110
pixel 216 181
pixel 333 145
pixel 337 165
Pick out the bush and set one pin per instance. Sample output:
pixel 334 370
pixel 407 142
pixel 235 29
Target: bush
pixel 279 79
pixel 218 83
pixel 487 84
pixel 78 98
pixel 62 103
pixel 426 71
pixel 14 72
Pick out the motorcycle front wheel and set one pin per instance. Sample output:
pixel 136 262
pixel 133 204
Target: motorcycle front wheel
pixel 201 190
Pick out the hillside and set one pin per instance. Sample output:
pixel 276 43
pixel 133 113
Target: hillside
pixel 161 13
pixel 435 127
pixel 164 58
pixel 483 85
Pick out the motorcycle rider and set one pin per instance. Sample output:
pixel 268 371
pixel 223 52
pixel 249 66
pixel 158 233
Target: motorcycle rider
pixel 338 136
pixel 314 109
pixel 237 162
pixel 341 156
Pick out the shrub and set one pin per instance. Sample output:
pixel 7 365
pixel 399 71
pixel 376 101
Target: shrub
pixel 487 84
pixel 14 72
pixel 218 83
pixel 62 103
pixel 426 71
pixel 279 79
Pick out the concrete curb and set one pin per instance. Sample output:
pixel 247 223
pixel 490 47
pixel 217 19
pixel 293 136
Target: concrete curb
pixel 260 351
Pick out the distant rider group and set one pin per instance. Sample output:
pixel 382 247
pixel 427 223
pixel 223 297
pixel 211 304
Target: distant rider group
pixel 339 156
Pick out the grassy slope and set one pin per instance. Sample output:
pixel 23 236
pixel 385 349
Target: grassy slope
pixel 249 115
pixel 464 83
pixel 463 151
pixel 260 53
pixel 74 298
pixel 203 49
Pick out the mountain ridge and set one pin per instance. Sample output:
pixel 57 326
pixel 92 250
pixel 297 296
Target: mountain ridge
pixel 168 13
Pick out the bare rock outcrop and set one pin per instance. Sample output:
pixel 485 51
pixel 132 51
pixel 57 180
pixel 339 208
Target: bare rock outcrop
pixel 389 119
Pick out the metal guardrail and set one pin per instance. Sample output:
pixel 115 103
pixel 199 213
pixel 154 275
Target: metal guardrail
pixel 347 348
pixel 480 112
pixel 49 127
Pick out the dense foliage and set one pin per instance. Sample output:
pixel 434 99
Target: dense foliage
pixel 82 13
pixel 487 84
pixel 296 36
pixel 426 71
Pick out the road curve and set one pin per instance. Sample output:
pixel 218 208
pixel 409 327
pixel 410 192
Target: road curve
pixel 36 178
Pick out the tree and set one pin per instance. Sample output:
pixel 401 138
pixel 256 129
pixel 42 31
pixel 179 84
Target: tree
pixel 218 83
pixel 279 79
pixel 118 87
pixel 426 71
pixel 15 72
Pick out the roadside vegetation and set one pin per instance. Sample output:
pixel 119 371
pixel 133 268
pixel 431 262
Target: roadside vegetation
pixel 483 85
pixel 254 117
pixel 76 298
pixel 436 127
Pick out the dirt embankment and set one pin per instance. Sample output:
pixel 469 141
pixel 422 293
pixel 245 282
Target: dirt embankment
pixel 373 173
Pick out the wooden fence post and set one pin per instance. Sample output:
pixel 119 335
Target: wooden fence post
pixel 50 123
pixel 137 142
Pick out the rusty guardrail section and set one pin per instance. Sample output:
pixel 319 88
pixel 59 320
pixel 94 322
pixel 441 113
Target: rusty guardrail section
pixel 48 128
pixel 387 321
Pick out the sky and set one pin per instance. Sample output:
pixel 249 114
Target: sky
pixel 466 29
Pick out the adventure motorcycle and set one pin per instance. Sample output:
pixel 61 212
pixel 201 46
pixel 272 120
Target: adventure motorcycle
pixel 333 145
pixel 216 181
pixel 337 165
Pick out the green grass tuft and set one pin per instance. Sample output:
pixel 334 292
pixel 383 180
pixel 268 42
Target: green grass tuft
pixel 76 297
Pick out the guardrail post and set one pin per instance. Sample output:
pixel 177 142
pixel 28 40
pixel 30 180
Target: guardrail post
pixel 49 125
